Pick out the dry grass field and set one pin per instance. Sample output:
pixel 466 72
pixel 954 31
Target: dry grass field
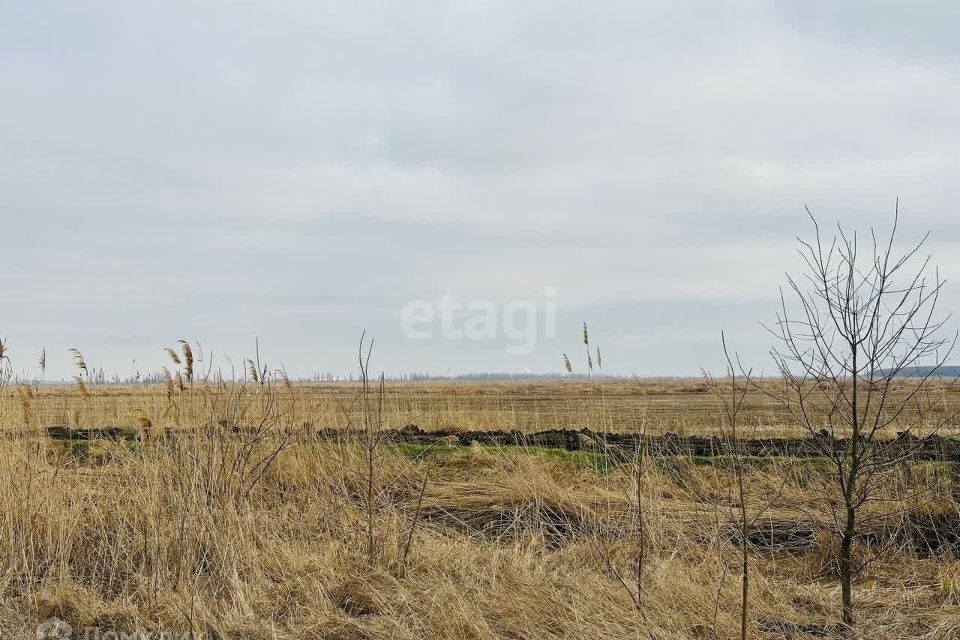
pixel 681 406
pixel 198 529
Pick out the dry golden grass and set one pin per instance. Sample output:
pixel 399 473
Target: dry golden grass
pixel 126 538
pixel 238 535
pixel 685 407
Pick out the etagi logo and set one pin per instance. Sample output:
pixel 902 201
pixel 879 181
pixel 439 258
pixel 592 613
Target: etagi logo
pixel 54 629
pixel 57 629
pixel 522 322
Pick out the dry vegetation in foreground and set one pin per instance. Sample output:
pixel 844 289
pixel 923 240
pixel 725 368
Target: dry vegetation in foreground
pixel 267 533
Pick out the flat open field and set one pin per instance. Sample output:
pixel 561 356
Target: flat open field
pixel 684 407
pixel 265 532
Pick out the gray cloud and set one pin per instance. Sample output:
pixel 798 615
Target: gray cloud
pixel 299 170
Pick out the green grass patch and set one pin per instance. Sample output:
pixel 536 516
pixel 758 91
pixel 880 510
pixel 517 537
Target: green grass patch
pixel 605 462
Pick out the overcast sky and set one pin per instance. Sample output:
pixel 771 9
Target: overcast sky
pixel 302 170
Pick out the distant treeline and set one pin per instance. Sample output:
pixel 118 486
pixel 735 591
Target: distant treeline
pixel 161 377
pixel 493 376
pixel 924 372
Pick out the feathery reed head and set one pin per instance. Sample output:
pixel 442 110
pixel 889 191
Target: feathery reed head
pixel 187 360
pixel 79 361
pixel 173 355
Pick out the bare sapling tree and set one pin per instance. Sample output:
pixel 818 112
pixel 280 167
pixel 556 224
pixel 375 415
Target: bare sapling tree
pixel 372 433
pixel 372 399
pixel 732 402
pixel 737 510
pixel 859 348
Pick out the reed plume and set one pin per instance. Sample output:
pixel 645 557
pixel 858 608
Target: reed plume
pixel 168 380
pixel 78 361
pixel 286 380
pixel 187 360
pixel 173 355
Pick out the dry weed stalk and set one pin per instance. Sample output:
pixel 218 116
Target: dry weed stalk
pixel 42 364
pixel 737 510
pixel 635 525
pixel 372 404
pixel 6 368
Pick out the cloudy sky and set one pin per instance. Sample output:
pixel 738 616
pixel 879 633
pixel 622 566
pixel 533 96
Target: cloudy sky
pixel 301 171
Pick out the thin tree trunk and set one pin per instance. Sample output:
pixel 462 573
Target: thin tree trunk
pixel 745 590
pixel 846 566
